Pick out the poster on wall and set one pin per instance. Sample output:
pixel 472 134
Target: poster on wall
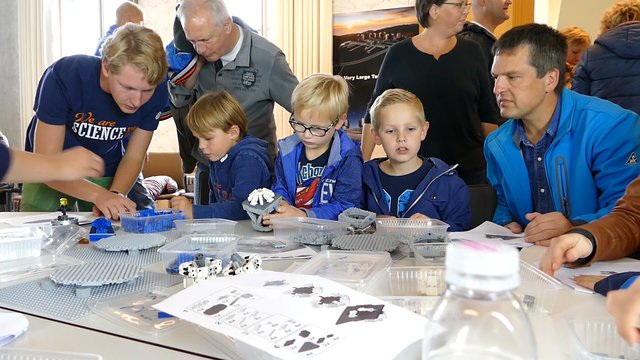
pixel 360 41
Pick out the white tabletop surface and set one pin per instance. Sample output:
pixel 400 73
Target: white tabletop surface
pixel 94 334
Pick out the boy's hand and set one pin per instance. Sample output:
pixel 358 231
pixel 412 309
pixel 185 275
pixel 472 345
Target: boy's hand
pixel 543 227
pixel 588 281
pixel 419 216
pixel 624 305
pixel 79 162
pixel 283 210
pixel 181 203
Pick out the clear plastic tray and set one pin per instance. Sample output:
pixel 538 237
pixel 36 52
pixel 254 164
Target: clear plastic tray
pixel 538 291
pixel 297 229
pixel 415 288
pixel 413 230
pixel 18 243
pixel 186 248
pixel 429 253
pixel 136 312
pixel 31 354
pixel 38 266
pixel 598 340
pixel 264 245
pixel 149 221
pixel 206 226
pixel 351 268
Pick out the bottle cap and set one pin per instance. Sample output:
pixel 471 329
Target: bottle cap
pixel 482 265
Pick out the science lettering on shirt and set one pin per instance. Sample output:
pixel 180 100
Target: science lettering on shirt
pixel 100 130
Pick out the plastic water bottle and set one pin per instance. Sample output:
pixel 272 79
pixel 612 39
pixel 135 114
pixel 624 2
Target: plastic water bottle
pixel 478 317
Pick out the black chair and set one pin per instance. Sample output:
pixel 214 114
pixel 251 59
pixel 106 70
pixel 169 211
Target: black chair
pixel 483 202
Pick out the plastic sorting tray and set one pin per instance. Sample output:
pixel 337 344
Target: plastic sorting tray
pixel 206 226
pixel 186 248
pixel 31 354
pixel 413 230
pixel 427 253
pixel 148 221
pixel 18 243
pixel 351 268
pixel 415 288
pixel 37 266
pixel 598 339
pixel 538 291
pixel 308 230
pixel 136 312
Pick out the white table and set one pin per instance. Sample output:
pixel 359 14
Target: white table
pixel 94 334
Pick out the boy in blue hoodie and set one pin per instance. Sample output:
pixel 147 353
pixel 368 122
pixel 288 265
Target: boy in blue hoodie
pixel 238 163
pixel 404 184
pixel 318 170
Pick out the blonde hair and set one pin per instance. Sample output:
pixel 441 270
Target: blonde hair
pixel 329 92
pixel 392 97
pixel 621 12
pixel 576 36
pixel 214 111
pixel 139 46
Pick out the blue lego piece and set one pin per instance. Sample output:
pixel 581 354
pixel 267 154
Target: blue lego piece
pixel 100 229
pixel 149 221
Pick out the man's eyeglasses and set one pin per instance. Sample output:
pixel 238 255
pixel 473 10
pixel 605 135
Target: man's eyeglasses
pixel 460 5
pixel 314 130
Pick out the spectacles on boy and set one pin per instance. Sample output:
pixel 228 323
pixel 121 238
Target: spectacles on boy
pixel 314 130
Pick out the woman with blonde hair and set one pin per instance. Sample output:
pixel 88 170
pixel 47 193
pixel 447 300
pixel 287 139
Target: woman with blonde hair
pixel 610 69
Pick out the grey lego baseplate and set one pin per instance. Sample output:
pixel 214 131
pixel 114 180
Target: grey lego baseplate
pixel 365 242
pixel 96 274
pixel 89 253
pixel 62 302
pixel 127 242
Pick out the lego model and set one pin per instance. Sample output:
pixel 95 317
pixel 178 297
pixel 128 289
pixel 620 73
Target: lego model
pixel 64 219
pixel 259 203
pixel 100 229
pixel 360 221
pixel 203 268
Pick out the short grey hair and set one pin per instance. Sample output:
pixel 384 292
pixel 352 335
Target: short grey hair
pixel 217 7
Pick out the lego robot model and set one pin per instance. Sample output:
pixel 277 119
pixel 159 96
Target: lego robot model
pixel 199 269
pixel 203 268
pixel 259 203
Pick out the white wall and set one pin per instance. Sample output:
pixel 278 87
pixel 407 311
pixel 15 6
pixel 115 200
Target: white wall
pixel 9 91
pixel 585 14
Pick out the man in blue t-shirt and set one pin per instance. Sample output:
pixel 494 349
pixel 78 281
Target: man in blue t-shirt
pixel 96 103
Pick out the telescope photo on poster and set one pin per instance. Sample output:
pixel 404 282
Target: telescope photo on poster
pixel 360 42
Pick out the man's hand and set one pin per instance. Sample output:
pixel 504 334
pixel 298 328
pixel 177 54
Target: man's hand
pixel 77 163
pixel 514 227
pixel 181 203
pixel 565 249
pixel 543 227
pixel 624 305
pixel 110 205
pixel 191 81
pixel 283 210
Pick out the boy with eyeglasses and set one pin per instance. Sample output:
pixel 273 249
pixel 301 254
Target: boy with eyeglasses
pixel 405 184
pixel 318 169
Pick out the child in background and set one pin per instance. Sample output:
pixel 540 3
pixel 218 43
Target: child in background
pixel 238 163
pixel 404 184
pixel 578 41
pixel 318 170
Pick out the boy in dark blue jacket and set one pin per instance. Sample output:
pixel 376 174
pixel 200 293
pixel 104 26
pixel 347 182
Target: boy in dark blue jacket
pixel 406 185
pixel 318 170
pixel 239 163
